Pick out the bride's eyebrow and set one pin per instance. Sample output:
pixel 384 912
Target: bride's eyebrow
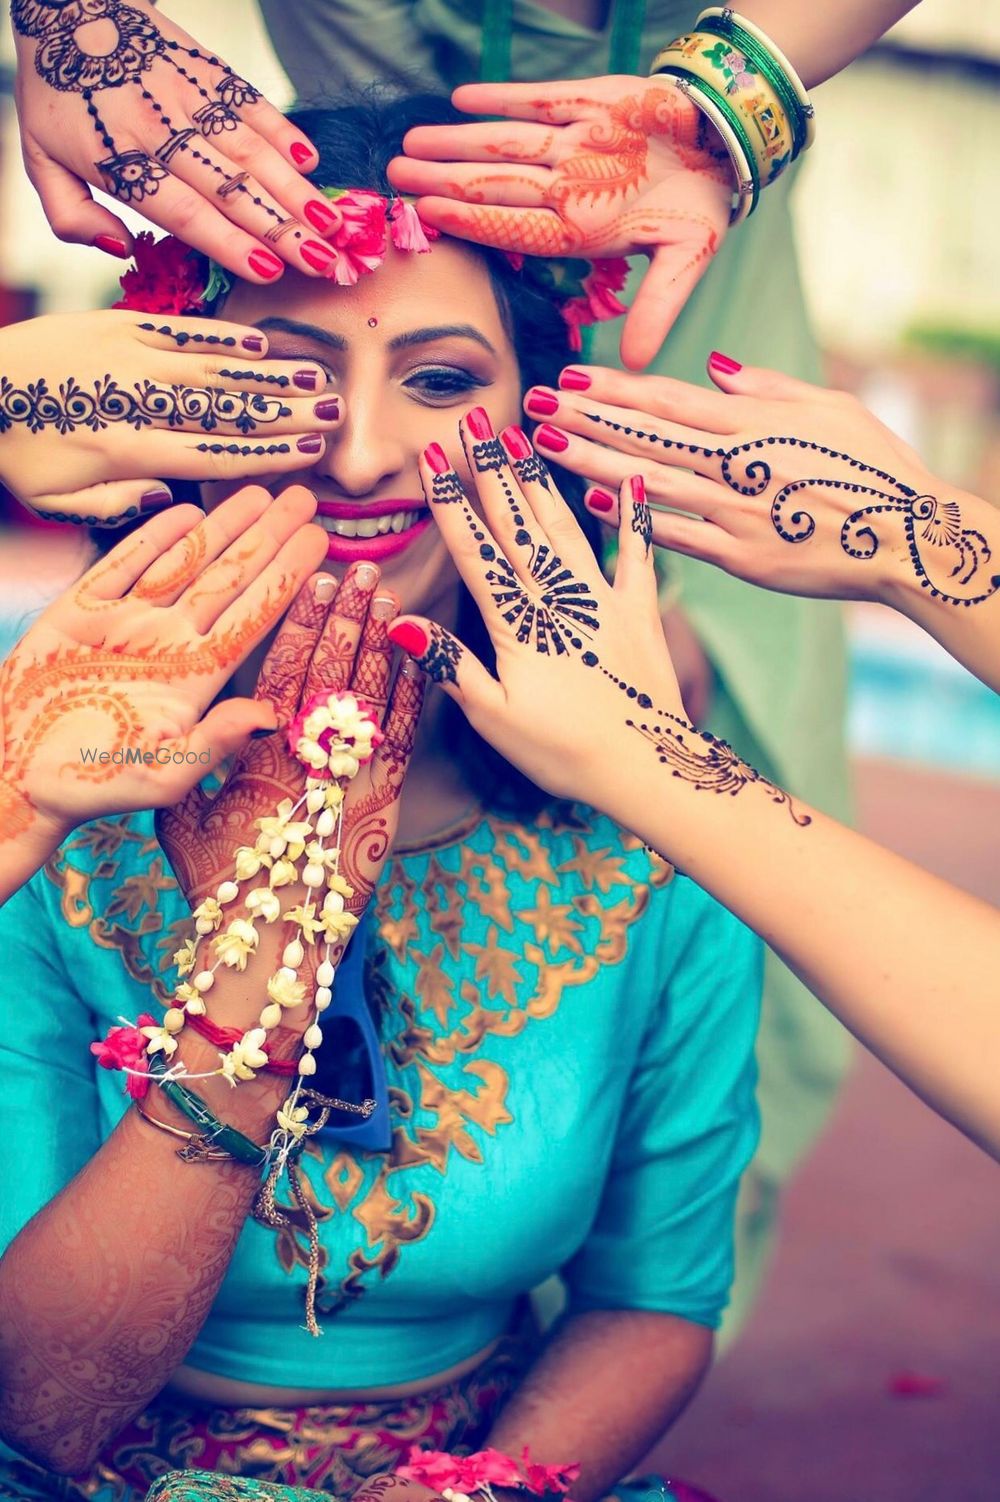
pixel 401 341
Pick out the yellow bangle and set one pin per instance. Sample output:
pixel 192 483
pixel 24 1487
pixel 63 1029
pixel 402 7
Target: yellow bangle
pixel 723 74
pixel 726 16
pixel 747 182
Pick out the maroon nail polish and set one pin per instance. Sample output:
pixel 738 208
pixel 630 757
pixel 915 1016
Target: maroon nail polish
pixel 312 443
pixel 320 216
pixel 437 458
pixel 516 443
pixel 264 264
pixel 541 403
pixel 254 343
pixel 306 380
pixel 600 500
pixel 327 409
pixel 638 489
pixel 479 424
pixel 155 500
pixel 317 255
pixel 112 246
pixel 300 153
pixel 551 438
pixel 724 363
pixel 574 380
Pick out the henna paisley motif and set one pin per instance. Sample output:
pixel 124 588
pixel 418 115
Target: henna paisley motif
pixel 142 405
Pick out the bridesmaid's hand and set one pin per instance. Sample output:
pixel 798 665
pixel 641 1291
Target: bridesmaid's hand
pixel 94 405
pixel 103 702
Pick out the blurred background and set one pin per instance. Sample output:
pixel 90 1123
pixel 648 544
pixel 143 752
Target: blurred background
pixel 870 1371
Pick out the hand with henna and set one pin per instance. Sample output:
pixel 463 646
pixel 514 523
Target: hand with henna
pixel 94 405
pixel 593 167
pixel 115 96
pixel 334 637
pixel 104 703
pixel 788 486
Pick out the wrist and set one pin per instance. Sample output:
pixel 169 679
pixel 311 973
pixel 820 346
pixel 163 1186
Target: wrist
pixel 38 833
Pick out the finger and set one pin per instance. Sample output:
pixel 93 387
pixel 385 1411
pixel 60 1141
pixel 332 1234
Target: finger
pixel 674 272
pixel 110 504
pixel 333 661
pixel 244 560
pixel 164 581
pixel 631 430
pixel 214 456
pixel 692 536
pixel 373 664
pixel 529 231
pixel 399 731
pixel 635 576
pixel 221 732
pixel 172 332
pixel 518 186
pixel 274 173
pixel 283 671
pixel 447 663
pixel 609 466
pixel 286 138
pixel 492 142
pixel 187 213
pixel 70 207
pixel 269 375
pixel 521 101
pixel 694 407
pixel 512 527
pixel 118 571
pixel 552 515
pixel 757 381
pixel 474 549
pixel 210 170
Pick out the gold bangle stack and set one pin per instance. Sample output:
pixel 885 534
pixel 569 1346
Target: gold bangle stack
pixel 739 80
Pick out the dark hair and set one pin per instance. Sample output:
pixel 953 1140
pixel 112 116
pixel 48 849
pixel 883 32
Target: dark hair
pixel 356 142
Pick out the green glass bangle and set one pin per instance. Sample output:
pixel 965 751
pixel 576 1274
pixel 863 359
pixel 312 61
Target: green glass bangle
pixel 730 30
pixel 700 89
pixel 224 1137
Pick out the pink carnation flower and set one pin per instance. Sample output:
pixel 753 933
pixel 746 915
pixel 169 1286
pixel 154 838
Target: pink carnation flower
pixel 125 1048
pixel 407 229
pixel 361 237
pixel 605 278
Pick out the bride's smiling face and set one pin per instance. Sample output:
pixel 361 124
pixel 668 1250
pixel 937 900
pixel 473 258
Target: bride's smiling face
pixel 408 350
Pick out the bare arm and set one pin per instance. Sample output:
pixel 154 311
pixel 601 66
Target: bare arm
pixel 589 1399
pixel 820 40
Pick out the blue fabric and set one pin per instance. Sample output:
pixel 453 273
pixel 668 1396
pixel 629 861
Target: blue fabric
pixel 568 1039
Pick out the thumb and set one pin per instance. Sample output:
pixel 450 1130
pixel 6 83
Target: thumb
pixel 110 504
pixel 71 209
pixel 674 272
pixel 447 663
pixel 222 731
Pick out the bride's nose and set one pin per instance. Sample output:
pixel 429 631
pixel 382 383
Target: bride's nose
pixel 366 450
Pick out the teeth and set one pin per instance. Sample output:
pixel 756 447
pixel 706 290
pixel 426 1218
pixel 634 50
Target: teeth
pixel 370 526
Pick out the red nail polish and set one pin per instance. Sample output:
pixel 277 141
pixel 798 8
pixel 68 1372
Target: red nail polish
pixel 312 443
pixel 638 488
pixel 574 380
pixel 551 438
pixel 300 153
pixel 327 409
pixel 112 246
pixel 408 635
pixel 515 441
pixel 317 255
pixel 320 216
pixel 254 343
pixel 264 264
pixel 437 458
pixel 479 424
pixel 600 500
pixel 541 403
pixel 723 363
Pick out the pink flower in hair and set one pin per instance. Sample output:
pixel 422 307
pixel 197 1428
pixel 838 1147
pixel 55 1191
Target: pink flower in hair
pixel 167 277
pixel 361 237
pixel 598 303
pixel 407 228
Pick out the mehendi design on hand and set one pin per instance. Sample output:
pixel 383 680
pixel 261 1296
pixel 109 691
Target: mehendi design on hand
pixel 181 337
pixel 144 404
pixel 442 656
pixel 715 769
pixel 746 470
pixel 64 62
pixel 642 523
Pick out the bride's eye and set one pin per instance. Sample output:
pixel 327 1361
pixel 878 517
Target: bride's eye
pixel 439 384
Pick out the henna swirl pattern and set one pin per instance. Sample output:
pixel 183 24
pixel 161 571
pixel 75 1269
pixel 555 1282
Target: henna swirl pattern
pixel 142 405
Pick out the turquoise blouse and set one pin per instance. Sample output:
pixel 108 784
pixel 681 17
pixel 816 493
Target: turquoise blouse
pixel 568 1034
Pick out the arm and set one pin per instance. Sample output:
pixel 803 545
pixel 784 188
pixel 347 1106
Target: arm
pixel 791 487
pixel 90 1332
pixel 906 961
pixel 820 40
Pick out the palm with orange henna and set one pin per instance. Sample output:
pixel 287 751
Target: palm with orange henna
pixel 332 638
pixel 103 702
pixel 600 167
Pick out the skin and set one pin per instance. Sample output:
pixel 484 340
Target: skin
pixel 563 1412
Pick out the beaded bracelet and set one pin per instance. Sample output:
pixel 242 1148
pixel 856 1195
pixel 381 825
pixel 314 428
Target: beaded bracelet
pixel 734 74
